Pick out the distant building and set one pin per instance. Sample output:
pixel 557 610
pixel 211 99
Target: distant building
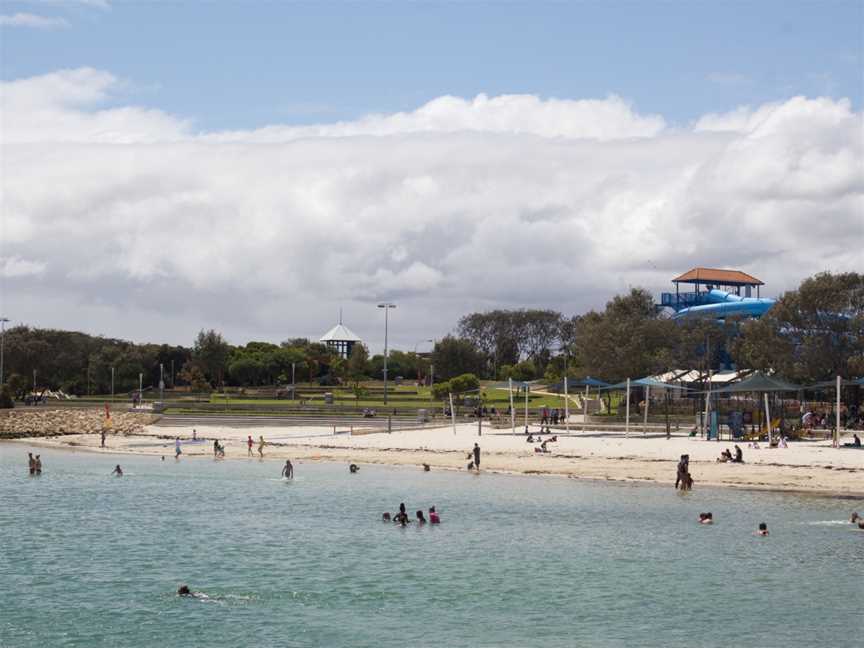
pixel 340 339
pixel 717 294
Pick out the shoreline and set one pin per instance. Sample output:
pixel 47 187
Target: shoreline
pixel 811 469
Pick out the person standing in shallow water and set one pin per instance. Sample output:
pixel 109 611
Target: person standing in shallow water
pixel 476 456
pixel 37 464
pixel 32 464
pixel 288 470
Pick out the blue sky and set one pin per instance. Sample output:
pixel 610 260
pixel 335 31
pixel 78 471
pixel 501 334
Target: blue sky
pixel 242 65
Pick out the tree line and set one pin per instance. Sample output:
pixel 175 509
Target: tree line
pixel 811 334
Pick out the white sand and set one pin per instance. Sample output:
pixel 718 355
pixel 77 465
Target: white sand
pixel 804 466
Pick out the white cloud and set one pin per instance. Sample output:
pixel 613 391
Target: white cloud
pixel 33 21
pixel 17 267
pixel 457 206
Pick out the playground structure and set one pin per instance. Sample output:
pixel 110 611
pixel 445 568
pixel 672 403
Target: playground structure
pixel 717 294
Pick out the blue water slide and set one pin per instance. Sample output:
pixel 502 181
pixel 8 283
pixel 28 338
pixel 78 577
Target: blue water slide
pixel 722 304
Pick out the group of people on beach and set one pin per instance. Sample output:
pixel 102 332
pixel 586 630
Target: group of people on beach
pixel 551 416
pixel 401 518
pixel 727 457
pixel 35 463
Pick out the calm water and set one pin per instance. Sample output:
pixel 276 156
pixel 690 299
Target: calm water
pixel 91 560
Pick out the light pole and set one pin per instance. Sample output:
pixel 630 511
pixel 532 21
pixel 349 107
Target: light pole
pixel 386 306
pixel 112 384
pixel 3 321
pixel 140 388
pixel 161 384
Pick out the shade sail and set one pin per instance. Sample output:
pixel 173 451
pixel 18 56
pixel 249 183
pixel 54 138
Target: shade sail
pixel 758 382
pixel 844 382
pixel 645 382
pixel 575 383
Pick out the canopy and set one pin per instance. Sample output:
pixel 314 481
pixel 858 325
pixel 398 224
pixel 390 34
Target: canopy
pixel 844 382
pixel 587 381
pixel 758 382
pixel 644 382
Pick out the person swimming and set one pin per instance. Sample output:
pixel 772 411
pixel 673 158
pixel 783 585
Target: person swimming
pixel 420 518
pixel 855 517
pixel 433 516
pixel 385 517
pixel 706 518
pixel 353 468
pixel 426 467
pixel 763 529
pixel 184 590
pixel 117 471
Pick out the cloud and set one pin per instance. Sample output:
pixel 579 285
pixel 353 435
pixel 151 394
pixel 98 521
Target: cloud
pixel 154 230
pixel 17 267
pixel 33 21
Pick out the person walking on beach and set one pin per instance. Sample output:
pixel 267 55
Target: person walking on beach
pixel 249 444
pixel 261 445
pixel 177 450
pixel 288 470
pixel 683 469
pixel 476 456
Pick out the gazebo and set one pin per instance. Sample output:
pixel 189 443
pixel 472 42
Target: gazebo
pixel 341 339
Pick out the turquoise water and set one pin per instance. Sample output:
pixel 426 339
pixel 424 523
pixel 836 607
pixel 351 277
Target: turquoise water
pixel 91 560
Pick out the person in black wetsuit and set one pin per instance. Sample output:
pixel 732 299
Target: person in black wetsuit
pixel 739 455
pixel 476 456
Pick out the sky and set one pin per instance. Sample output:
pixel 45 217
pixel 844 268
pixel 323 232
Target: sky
pixel 256 166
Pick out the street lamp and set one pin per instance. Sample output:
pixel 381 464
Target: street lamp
pixel 386 306
pixel 3 321
pixel 112 384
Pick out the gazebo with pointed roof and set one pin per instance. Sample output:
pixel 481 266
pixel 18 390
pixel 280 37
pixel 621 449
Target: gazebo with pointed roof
pixel 340 338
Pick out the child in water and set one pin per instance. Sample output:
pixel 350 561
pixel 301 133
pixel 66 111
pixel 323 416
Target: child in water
pixel 763 529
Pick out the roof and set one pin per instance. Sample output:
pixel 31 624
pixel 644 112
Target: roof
pixel 718 276
pixel 758 382
pixel 340 333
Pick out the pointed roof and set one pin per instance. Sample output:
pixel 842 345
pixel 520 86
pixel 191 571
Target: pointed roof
pixel 718 276
pixel 340 333
pixel 758 382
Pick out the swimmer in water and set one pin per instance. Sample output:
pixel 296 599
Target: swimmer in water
pixel 763 529
pixel 385 517
pixel 433 516
pixel 420 518
pixel 32 464
pixel 37 464
pixel 426 467
pixel 117 471
pixel 184 590
pixel 855 517
pixel 706 518
pixel 353 468
pixel 288 470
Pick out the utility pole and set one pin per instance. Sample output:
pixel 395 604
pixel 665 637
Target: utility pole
pixel 112 384
pixel 161 384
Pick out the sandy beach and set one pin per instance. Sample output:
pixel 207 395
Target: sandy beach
pixel 807 466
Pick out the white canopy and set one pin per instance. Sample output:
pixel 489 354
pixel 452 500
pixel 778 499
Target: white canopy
pixel 340 333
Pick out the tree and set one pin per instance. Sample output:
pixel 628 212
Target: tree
pixel 627 340
pixel 192 375
pixel 465 383
pixel 246 371
pixel 453 356
pixel 524 371
pixel 810 334
pixel 210 353
pixel 358 362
